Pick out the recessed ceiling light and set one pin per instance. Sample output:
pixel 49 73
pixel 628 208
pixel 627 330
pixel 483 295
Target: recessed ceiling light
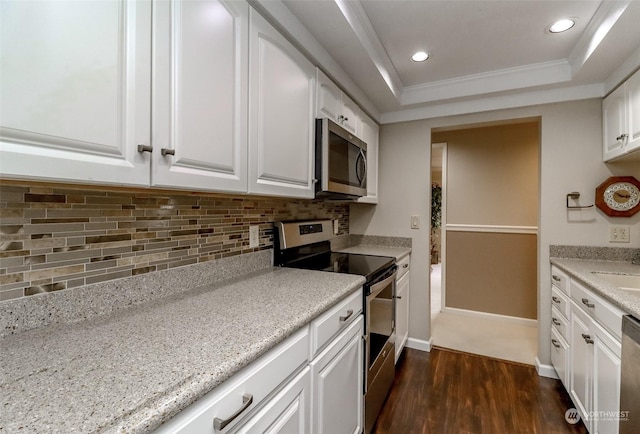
pixel 562 25
pixel 420 56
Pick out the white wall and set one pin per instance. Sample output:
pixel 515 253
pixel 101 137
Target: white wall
pixel 571 160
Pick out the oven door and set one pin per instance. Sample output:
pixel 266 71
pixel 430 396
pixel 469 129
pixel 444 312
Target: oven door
pixel 380 324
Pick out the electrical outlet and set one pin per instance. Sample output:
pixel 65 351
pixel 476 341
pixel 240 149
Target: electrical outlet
pixel 336 226
pixel 254 236
pixel 619 234
pixel 415 222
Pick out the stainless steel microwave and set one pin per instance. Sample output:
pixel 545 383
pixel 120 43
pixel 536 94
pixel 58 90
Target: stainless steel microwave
pixel 341 162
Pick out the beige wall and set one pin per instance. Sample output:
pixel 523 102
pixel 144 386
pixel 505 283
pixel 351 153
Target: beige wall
pixel 492 272
pixel 492 179
pixel 570 160
pixel 492 174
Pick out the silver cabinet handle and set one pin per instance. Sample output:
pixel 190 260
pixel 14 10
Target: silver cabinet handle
pixel 220 424
pixel 555 299
pixel 585 301
pixel 556 278
pixel 145 148
pixel 405 266
pixel 347 316
pixel 555 343
pixel 622 136
pixel 167 151
pixel 587 338
pixel 555 321
pixel 398 297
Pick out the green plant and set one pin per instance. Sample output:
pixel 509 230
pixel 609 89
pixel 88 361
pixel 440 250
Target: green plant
pixel 436 206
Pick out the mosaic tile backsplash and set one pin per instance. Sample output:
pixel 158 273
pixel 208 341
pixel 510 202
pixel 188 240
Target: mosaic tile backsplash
pixel 56 237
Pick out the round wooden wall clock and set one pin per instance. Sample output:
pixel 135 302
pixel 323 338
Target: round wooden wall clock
pixel 619 196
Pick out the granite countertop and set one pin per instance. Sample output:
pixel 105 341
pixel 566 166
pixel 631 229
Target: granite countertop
pixel 583 269
pixel 134 369
pixel 368 249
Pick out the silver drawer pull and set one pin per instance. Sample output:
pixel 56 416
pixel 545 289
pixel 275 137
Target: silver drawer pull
pixel 585 301
pixel 167 151
pixel 556 278
pixel 398 297
pixel 555 299
pixel 622 136
pixel 405 266
pixel 555 321
pixel 555 343
pixel 220 424
pixel 587 338
pixel 347 316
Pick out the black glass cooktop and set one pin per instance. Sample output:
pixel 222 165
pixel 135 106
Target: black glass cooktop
pixel 350 263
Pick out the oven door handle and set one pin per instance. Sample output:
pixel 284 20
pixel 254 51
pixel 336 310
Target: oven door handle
pixel 377 287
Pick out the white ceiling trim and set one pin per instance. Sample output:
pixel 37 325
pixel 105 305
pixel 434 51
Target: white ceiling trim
pixel 539 74
pixel 357 18
pixel 602 21
pixel 483 104
pixel 625 70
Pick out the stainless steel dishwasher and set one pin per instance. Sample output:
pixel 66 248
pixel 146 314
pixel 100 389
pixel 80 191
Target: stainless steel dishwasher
pixel 630 377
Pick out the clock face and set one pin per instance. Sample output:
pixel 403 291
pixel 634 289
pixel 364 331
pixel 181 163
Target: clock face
pixel 619 196
pixel 622 196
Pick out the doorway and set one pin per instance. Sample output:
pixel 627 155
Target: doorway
pixel 486 246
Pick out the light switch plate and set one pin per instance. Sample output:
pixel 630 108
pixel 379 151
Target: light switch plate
pixel 336 226
pixel 619 234
pixel 415 222
pixel 254 236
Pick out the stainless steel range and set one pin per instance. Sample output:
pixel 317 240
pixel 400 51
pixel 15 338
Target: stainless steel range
pixel 306 245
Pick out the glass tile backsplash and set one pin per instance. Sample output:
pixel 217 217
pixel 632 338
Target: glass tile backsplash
pixel 54 237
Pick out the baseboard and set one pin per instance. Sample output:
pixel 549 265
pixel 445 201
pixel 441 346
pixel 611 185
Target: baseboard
pixel 546 370
pixel 492 316
pixel 419 344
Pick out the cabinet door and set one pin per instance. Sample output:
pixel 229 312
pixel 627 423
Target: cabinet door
pixel 281 114
pixel 581 360
pixel 350 116
pixel 369 134
pixel 614 116
pixel 633 106
pixel 402 313
pixel 287 413
pixel 606 382
pixel 329 98
pixel 75 90
pixel 337 384
pixel 200 94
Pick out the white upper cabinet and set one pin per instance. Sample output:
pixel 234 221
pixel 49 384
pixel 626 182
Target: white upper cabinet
pixel 369 134
pixel 281 114
pixel 75 90
pixel 332 103
pixel 621 120
pixel 200 64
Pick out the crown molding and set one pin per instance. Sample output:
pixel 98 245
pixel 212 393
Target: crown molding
pixel 514 100
pixel 624 71
pixel 539 74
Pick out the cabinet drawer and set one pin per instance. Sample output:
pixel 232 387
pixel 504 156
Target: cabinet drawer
pixel 258 380
pixel 560 301
pixel 559 279
pixel 605 313
pixel 403 266
pixel 559 356
pixel 335 319
pixel 559 322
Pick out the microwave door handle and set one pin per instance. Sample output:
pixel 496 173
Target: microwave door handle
pixel 364 160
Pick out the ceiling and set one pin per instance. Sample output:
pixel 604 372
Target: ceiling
pixel 484 54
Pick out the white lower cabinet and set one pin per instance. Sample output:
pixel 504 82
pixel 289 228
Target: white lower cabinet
pixel 402 305
pixel 337 384
pixel 287 412
pixel 591 356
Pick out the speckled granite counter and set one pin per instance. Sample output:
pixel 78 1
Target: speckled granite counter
pixel 133 369
pixel 397 247
pixel 583 269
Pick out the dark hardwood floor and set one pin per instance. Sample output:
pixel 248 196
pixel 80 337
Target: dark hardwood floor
pixel 448 392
